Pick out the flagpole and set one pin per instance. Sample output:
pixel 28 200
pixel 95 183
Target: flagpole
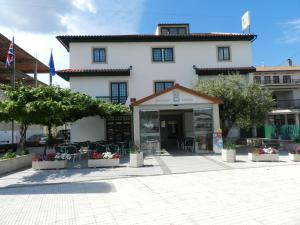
pixel 13 85
pixel 50 75
pixel 35 71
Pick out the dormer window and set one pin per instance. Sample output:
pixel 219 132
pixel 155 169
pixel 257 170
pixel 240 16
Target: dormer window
pixel 173 29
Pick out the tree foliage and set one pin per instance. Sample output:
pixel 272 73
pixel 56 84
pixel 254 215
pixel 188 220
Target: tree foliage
pixel 51 106
pixel 245 103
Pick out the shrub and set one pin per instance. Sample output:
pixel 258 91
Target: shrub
pixel 229 146
pixel 9 155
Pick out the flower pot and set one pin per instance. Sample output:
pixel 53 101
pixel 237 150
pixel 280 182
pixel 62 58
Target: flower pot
pixel 263 157
pixel 48 165
pixel 103 162
pixel 228 155
pixel 17 163
pixel 136 159
pixel 294 157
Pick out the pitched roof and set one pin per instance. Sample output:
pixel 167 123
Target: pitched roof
pixel 277 68
pixel 178 87
pixel 65 40
pixel 224 70
pixel 24 61
pixel 67 73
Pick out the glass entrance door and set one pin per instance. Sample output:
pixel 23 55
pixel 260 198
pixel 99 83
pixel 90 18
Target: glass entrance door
pixel 149 131
pixel 203 129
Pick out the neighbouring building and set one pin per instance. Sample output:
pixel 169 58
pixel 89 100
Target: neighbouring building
pixel 25 64
pixel 284 82
pixel 154 73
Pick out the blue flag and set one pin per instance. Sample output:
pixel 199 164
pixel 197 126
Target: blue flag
pixel 51 65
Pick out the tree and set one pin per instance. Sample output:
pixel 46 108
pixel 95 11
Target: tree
pixel 245 103
pixel 51 106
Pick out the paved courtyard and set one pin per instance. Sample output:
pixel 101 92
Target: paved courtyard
pixel 265 195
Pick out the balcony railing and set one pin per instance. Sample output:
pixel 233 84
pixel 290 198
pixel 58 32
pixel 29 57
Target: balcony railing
pixel 113 99
pixel 278 82
pixel 287 104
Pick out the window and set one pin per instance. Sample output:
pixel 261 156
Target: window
pixel 118 92
pixel 173 31
pixel 291 119
pixel 267 80
pixel 287 79
pixel 257 80
pixel 99 55
pixel 276 79
pixel 224 54
pixel 162 55
pixel 118 129
pixel 162 85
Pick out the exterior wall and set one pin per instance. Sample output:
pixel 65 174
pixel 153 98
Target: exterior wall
pixel 88 129
pixel 144 71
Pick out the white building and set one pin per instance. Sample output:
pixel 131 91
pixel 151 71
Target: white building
pixel 128 68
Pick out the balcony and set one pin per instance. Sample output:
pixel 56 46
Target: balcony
pixel 113 99
pixel 287 104
pixel 279 82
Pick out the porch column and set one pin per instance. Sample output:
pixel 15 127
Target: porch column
pixel 216 123
pixel 297 118
pixel 136 125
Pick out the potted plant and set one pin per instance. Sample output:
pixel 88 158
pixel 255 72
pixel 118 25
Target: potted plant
pixel 229 152
pixel 294 155
pixel 106 159
pixel 136 158
pixel 264 155
pixel 50 161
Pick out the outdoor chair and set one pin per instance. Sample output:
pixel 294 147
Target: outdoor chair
pixel 101 148
pixel 189 144
pixel 60 149
pixel 72 150
pixel 113 148
pixel 123 147
pixel 92 146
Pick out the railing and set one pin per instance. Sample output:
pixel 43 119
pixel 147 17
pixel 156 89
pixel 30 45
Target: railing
pixel 287 104
pixel 113 99
pixel 278 82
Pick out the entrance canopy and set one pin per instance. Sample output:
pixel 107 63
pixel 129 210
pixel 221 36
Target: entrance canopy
pixel 176 95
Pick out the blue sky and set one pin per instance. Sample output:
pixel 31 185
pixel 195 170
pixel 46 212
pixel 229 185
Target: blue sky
pixel 276 22
pixel 35 23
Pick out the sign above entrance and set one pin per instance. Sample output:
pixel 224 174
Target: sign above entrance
pixel 176 95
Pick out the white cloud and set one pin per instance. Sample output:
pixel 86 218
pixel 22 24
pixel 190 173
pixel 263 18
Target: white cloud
pixel 36 23
pixel 291 33
pixel 85 5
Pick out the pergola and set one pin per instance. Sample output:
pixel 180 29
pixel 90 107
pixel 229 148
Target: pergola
pixel 25 63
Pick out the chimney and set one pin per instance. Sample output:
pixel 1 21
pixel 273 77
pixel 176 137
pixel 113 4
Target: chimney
pixel 290 62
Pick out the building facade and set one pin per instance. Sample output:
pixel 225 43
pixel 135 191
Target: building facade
pixel 127 68
pixel 284 82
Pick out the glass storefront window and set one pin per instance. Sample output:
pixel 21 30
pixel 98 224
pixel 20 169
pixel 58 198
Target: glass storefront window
pixel 149 131
pixel 203 129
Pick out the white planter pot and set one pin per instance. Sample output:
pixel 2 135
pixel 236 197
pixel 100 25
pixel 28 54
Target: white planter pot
pixel 294 157
pixel 48 165
pixel 263 157
pixel 228 155
pixel 136 159
pixel 103 162
pixel 17 163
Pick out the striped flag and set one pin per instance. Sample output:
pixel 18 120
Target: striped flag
pixel 10 56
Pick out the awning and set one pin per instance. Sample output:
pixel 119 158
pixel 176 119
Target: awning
pixel 67 73
pixel 24 61
pixel 224 71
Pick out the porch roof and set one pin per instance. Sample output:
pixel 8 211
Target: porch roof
pixel 178 87
pixel 67 73
pixel 229 70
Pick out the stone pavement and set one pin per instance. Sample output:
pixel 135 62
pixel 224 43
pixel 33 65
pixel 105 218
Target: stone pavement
pixel 265 195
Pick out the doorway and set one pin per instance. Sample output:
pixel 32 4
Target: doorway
pixel 171 129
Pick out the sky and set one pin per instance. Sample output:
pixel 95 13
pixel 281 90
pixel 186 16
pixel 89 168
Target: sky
pixel 35 23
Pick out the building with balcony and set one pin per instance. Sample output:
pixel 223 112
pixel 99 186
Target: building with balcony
pixel 154 73
pixel 284 82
